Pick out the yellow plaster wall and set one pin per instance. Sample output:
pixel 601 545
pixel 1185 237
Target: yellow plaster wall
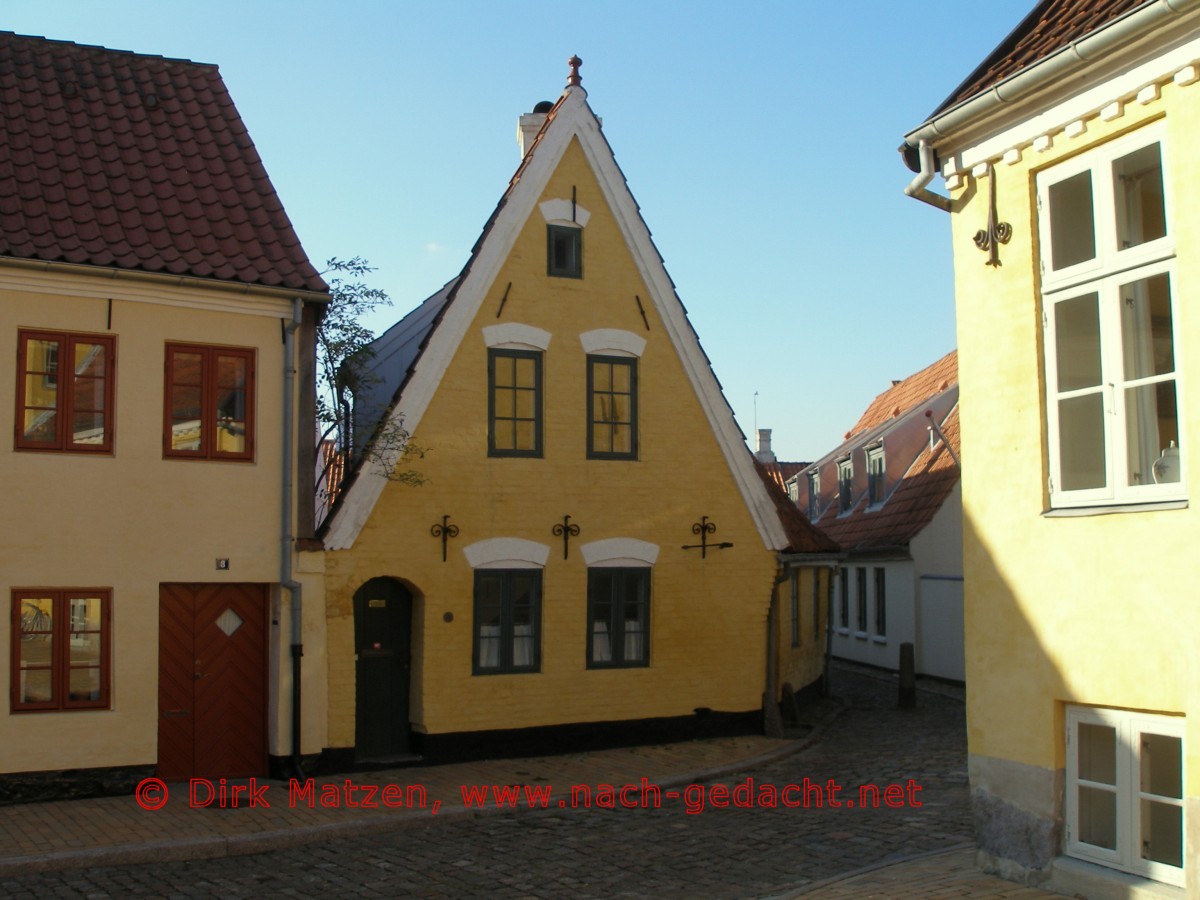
pixel 802 664
pixel 707 616
pixel 131 520
pixel 1091 610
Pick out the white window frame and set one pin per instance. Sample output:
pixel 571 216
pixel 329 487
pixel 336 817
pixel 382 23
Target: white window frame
pixel 845 476
pixel 875 457
pixel 814 495
pixel 1105 274
pixel 1129 727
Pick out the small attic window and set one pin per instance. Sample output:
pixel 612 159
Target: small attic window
pixel 564 251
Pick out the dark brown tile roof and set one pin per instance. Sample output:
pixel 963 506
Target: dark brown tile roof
pixel 115 159
pixel 1049 27
pixel 904 395
pixel 911 506
pixel 802 535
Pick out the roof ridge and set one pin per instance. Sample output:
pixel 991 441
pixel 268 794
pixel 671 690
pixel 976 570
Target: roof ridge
pixel 100 47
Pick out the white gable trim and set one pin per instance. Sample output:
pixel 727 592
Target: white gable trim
pixel 620 551
pixel 515 336
pixel 573 119
pixel 613 341
pixel 558 212
pixel 506 553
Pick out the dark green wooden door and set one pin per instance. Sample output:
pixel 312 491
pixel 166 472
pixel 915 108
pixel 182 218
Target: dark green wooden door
pixel 382 642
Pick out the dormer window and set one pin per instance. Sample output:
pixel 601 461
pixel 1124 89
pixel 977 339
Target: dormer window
pixel 845 479
pixel 814 496
pixel 564 251
pixel 875 476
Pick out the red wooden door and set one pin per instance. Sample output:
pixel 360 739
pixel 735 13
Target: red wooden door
pixel 212 681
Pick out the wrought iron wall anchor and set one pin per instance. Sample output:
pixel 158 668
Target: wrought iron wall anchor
pixel 445 531
pixel 989 239
pixel 566 531
pixel 704 528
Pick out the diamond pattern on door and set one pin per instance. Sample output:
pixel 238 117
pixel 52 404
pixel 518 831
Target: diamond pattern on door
pixel 229 622
pixel 212 689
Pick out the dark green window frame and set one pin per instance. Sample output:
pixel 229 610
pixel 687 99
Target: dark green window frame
pixel 613 593
pixel 514 407
pixel 564 251
pixel 612 407
pixel 507 631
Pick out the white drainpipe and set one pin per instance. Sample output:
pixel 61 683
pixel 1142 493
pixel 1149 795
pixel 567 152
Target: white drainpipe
pixel 286 581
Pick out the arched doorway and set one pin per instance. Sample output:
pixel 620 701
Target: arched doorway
pixel 383 654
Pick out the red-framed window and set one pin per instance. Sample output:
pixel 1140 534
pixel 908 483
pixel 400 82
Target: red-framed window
pixel 65 391
pixel 209 402
pixel 60 649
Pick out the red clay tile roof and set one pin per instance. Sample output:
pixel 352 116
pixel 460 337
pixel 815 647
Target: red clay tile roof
pixel 115 159
pixel 904 395
pixel 780 472
pixel 802 535
pixel 1049 27
pixel 911 506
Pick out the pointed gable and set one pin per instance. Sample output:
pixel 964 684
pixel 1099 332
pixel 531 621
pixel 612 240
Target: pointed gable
pixel 437 329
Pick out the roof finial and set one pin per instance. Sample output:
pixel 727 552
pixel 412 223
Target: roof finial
pixel 573 80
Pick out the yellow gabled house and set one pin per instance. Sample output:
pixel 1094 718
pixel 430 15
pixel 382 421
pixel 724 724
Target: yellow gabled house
pixel 1069 155
pixel 157 315
pixel 591 554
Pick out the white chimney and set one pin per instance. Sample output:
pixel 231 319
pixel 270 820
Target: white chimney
pixel 530 124
pixel 764 453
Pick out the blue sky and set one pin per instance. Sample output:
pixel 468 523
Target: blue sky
pixel 759 139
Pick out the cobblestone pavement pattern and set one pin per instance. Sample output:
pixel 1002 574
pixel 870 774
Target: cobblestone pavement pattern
pixel 593 853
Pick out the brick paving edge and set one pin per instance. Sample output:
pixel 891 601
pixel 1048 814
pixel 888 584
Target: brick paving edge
pixel 214 847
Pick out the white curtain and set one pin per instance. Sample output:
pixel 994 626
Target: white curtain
pixel 522 645
pixel 634 641
pixel 489 646
pixel 601 645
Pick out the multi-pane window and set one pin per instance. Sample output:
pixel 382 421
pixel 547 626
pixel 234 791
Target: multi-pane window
pixel 844 598
pixel 618 617
pixel 861 574
pixel 845 470
pixel 209 400
pixel 65 391
pixel 612 407
pixel 514 403
pixel 564 251
pixel 507 620
pixel 875 476
pixel 60 649
pixel 1124 800
pixel 814 496
pixel 880 601
pixel 1110 307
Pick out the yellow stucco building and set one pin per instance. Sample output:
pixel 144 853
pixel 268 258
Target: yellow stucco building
pixel 158 314
pixel 1073 186
pixel 590 554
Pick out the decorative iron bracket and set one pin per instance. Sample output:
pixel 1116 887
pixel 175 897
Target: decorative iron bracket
pixel 566 531
pixel 989 239
pixel 704 528
pixel 445 531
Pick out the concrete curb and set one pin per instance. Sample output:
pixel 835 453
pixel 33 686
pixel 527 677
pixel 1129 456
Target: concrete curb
pixel 811 886
pixel 211 847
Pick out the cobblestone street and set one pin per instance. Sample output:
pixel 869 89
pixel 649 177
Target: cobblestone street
pixel 716 853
